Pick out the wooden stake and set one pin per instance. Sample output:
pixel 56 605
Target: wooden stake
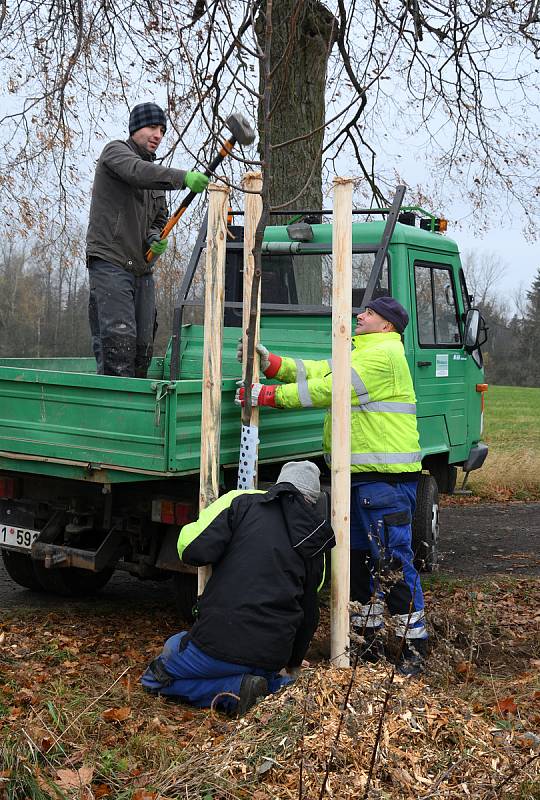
pixel 251 182
pixel 218 198
pixel 341 418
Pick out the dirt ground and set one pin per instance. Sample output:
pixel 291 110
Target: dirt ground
pixel 72 711
pixel 488 538
pixel 475 539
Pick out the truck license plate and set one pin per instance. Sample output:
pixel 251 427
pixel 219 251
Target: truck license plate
pixel 19 538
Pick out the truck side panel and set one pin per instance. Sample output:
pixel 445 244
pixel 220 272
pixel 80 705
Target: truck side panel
pixel 84 418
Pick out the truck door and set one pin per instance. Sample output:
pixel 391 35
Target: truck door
pixel 440 361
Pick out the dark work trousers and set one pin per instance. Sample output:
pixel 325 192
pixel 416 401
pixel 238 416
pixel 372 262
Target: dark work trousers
pixel 201 680
pixel 382 560
pixel 122 315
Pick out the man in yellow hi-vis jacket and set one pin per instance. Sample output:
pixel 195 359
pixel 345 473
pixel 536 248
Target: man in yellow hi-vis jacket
pixel 385 467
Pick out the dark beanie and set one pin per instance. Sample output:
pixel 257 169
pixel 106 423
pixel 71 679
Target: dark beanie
pixel 146 114
pixel 391 310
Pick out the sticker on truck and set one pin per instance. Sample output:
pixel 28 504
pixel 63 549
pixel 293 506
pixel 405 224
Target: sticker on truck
pixel 17 538
pixel 441 365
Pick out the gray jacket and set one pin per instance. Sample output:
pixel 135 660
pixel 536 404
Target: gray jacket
pixel 128 205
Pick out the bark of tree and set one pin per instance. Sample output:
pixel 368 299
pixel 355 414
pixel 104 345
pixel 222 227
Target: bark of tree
pixel 303 33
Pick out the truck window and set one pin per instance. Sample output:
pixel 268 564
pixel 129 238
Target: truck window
pixel 467 298
pixel 436 307
pixel 307 279
pixel 295 280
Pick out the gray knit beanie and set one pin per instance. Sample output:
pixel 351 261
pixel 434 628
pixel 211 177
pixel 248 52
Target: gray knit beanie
pixel 304 475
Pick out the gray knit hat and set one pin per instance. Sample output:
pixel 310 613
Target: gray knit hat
pixel 304 475
pixel 146 114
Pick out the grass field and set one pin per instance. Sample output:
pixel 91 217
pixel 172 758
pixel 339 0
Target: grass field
pixel 512 431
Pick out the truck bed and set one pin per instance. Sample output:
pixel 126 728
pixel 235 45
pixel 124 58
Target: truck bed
pixel 57 417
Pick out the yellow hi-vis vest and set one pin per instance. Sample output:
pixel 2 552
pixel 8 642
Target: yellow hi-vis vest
pixel 384 435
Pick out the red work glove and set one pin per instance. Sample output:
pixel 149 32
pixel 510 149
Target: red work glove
pixel 261 395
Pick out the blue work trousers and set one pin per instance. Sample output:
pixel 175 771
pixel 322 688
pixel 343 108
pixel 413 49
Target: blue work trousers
pixel 198 679
pixel 382 560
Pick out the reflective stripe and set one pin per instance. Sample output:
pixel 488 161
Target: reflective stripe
pixel 385 458
pixel 387 407
pixel 369 615
pixel 411 625
pixel 303 391
pixel 359 386
pixel 316 553
pixel 309 535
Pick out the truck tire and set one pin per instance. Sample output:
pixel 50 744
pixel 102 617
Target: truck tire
pixel 185 595
pixel 20 569
pixel 425 526
pixel 71 581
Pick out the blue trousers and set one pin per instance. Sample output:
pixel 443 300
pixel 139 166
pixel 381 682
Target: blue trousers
pixel 382 560
pixel 198 678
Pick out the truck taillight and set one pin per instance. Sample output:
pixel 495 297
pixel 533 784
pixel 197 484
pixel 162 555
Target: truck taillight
pixel 171 513
pixel 7 488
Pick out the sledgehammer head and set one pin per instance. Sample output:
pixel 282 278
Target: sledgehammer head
pixel 240 128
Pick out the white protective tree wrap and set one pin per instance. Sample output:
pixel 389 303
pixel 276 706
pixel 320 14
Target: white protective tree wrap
pixel 249 439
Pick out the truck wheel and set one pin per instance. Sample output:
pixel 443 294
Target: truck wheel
pixel 425 526
pixel 71 581
pixel 20 569
pixel 185 594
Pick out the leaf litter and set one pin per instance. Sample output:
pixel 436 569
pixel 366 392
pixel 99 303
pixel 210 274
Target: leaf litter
pixel 81 726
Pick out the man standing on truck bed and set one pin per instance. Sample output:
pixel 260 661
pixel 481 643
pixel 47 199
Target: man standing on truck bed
pixel 259 609
pixel 385 468
pixel 127 213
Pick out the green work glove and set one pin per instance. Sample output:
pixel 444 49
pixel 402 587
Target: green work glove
pixel 196 181
pixel 158 246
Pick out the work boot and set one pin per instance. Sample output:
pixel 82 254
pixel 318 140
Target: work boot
pixel 413 658
pixel 371 649
pixel 251 688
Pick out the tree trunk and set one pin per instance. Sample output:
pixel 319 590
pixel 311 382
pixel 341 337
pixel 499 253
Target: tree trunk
pixel 303 32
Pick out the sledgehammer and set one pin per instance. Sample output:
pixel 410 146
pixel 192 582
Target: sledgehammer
pixel 243 133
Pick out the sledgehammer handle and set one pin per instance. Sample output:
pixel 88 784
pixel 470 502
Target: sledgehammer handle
pixel 226 148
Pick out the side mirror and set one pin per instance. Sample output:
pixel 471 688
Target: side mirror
pixel 475 330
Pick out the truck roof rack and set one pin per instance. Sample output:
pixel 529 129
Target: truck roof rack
pixel 407 216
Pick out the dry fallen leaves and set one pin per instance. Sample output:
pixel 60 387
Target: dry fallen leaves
pixel 507 705
pixel 74 778
pixel 116 714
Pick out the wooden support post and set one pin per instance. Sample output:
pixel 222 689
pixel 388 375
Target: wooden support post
pixel 341 418
pixel 218 198
pixel 251 182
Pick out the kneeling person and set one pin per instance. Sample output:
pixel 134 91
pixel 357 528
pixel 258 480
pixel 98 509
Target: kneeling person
pixel 259 610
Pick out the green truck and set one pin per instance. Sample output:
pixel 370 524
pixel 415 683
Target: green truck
pixel 97 473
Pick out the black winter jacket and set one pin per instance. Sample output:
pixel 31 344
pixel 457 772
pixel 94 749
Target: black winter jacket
pixel 128 205
pixel 260 606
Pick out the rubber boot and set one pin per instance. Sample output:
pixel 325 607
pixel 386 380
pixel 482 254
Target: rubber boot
pixel 119 356
pixel 143 357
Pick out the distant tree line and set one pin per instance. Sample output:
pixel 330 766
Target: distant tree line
pixel 44 297
pixel 511 352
